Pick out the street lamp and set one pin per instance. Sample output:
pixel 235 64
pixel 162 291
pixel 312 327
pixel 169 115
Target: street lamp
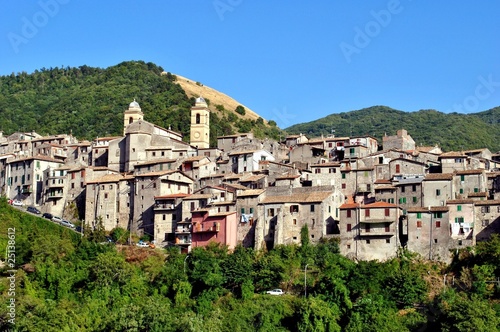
pixel 305 280
pixel 185 263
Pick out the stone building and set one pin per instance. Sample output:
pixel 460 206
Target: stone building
pixel 401 141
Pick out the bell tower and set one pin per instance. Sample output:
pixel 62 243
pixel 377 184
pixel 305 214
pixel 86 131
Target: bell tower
pixel 200 124
pixel 133 114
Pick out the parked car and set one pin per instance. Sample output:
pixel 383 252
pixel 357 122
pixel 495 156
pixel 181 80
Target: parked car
pixel 47 216
pixel 66 223
pixel 276 291
pixel 33 209
pixel 142 244
pixel 56 219
pixel 17 203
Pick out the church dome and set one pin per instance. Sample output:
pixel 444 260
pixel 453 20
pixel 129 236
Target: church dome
pixel 200 101
pixel 134 104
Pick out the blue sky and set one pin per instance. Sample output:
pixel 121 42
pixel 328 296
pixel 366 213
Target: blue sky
pixel 291 62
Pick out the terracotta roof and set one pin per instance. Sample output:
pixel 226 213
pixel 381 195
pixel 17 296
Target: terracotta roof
pixel 426 210
pixel 234 185
pixel 156 173
pixel 438 176
pixel 329 164
pixel 426 148
pixel 383 181
pixel 385 187
pixel 460 201
pixel 487 202
pixel 480 194
pixel 108 178
pixel 171 196
pixel 288 177
pixel 310 197
pixel 377 205
pixel 250 192
pixel 197 196
pixel 349 206
pixel 452 154
pixel 215 175
pixel 156 161
pixel 469 172
pixel 38 157
pixel 234 176
pixel 234 153
pixel 252 178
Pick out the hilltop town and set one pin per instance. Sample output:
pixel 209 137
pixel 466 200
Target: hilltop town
pixel 376 199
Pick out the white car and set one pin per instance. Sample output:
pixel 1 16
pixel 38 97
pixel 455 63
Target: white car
pixel 142 244
pixel 17 203
pixel 66 223
pixel 276 291
pixel 57 219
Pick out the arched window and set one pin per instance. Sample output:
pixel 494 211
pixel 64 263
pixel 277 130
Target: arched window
pixel 130 120
pixel 197 118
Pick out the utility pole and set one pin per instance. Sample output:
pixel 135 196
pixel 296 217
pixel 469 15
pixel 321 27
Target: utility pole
pixel 185 263
pixel 305 280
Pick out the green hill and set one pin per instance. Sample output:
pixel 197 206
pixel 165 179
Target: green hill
pixel 90 102
pixel 427 127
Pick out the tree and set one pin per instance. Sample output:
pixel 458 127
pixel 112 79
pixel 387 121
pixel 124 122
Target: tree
pixel 240 110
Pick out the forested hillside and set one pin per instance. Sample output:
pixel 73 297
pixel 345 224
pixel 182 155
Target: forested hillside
pixel 90 102
pixel 427 127
pixel 63 282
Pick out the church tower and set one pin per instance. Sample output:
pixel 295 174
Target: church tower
pixel 133 114
pixel 200 124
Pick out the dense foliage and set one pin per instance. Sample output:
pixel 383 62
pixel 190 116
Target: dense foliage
pixel 64 282
pixel 427 127
pixel 89 102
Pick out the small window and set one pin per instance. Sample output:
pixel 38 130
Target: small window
pixel 312 207
pixel 414 188
pixel 419 223
pixel 367 241
pixel 438 223
pixel 419 215
pixel 343 175
pixel 349 212
pixel 105 195
pixel 367 212
pixel 295 221
pixel 294 209
pixel 349 227
pixel 348 246
pixel 343 186
pixel 387 212
pixel 403 189
pixel 438 192
pixel 459 207
pixel 387 240
pixel 242 210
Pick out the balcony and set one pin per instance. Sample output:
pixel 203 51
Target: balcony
pixel 26 189
pixel 183 230
pixel 213 228
pixel 56 183
pixel 164 206
pixel 55 194
pixel 183 240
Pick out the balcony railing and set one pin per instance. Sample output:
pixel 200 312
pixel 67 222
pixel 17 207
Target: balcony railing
pixel 214 228
pixel 164 206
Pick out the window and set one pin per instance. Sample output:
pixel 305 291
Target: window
pixel 197 118
pixel 387 212
pixel 164 217
pixel 419 223
pixel 295 221
pixel 485 209
pixel 192 206
pixel 438 223
pixel 270 212
pixel 398 168
pixel 242 210
pixel 485 222
pixel 251 210
pixel 343 175
pixel 403 189
pixel 294 208
pixel 367 241
pixel 415 199
pixel 462 178
pixel 349 213
pixel 72 186
pixel 437 215
pixel 333 170
pixel 317 171
pixel 348 246
pixel 461 190
pixel 367 212
pixel 349 227
pixel 438 192
pixel 414 188
pixel 459 219
pixel 387 240
pixel 459 207
pixel 154 154
pixel 419 215
pixel 312 207
pixel 476 190
pixel 343 185
pixel 402 200
pixel 387 228
pixel 81 184
pixel 367 228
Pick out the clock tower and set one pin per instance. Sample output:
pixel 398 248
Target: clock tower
pixel 200 124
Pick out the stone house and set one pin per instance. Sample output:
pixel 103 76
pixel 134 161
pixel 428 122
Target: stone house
pixel 428 232
pixel 487 219
pixel 461 214
pixel 369 231
pixel 169 224
pixel 247 202
pixel 469 181
pixel 437 189
pixel 284 215
pixel 248 160
pixel 401 141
